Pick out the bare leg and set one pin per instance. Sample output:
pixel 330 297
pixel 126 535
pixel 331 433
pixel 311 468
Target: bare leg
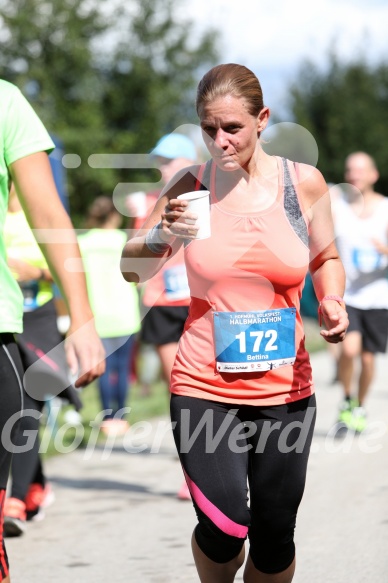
pixel 351 348
pixel 366 376
pixel 7 580
pixel 167 353
pixel 148 369
pixel 252 575
pixel 345 373
pixel 211 572
pixel 335 352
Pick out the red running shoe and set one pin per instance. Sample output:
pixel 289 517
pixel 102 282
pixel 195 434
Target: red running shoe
pixel 38 497
pixel 14 517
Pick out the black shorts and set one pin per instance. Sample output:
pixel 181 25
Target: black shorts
pixel 163 324
pixel 372 325
pixel 49 375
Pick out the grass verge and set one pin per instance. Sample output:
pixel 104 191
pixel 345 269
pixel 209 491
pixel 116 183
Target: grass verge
pixel 60 436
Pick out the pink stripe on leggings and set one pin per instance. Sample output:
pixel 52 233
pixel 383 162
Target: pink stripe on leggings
pixel 219 518
pixel 42 356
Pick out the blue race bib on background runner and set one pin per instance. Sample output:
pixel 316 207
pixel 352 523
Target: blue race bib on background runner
pixel 176 283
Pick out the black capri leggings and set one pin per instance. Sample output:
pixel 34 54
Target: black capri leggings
pixel 11 374
pixel 224 449
pixel 11 399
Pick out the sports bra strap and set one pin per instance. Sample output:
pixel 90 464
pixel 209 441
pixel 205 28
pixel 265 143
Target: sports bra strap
pixel 296 168
pixel 198 182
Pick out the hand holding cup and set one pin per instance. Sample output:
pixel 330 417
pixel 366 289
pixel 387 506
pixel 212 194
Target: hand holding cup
pixel 188 216
pixel 199 204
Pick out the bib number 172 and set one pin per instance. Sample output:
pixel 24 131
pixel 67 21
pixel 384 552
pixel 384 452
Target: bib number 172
pixel 271 335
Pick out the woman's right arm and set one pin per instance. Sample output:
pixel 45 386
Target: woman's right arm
pixel 163 232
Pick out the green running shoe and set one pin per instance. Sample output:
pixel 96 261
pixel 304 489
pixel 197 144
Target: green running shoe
pixel 345 415
pixel 358 422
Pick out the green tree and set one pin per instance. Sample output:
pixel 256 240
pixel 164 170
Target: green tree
pixel 103 80
pixel 345 107
pixel 152 76
pixel 46 50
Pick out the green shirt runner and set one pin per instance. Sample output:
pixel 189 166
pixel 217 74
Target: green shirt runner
pixel 23 134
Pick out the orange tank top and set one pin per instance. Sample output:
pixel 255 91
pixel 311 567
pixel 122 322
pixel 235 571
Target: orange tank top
pixel 249 266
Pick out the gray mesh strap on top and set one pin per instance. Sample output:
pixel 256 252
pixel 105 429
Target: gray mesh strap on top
pixel 292 206
pixel 206 176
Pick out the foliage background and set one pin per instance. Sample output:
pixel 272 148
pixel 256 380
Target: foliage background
pixel 110 77
pixel 345 107
pixel 104 79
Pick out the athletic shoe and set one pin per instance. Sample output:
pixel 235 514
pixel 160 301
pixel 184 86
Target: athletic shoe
pixel 184 492
pixel 358 422
pixel 14 517
pixel 38 497
pixel 345 414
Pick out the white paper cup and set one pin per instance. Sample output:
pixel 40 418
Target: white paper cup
pixel 199 203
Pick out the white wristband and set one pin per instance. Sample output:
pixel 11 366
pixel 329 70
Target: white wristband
pixel 154 241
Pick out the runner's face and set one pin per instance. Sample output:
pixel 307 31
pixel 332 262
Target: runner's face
pixel 359 172
pixel 230 132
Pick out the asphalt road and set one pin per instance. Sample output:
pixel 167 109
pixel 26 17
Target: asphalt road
pixel 116 517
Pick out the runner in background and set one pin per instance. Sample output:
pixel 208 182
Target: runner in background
pixel 101 249
pixel 24 148
pixel 30 491
pixel 166 297
pixel 361 228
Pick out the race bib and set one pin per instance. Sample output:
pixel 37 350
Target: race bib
pixel 367 260
pixel 175 283
pixel 254 341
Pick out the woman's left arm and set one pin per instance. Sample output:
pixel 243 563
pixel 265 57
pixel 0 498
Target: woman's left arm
pixel 327 272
